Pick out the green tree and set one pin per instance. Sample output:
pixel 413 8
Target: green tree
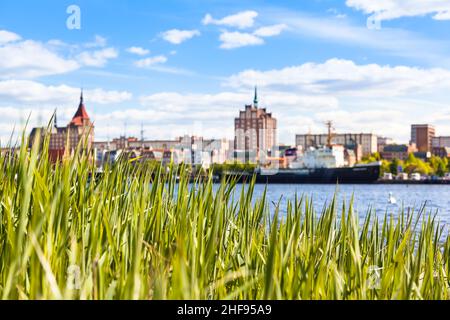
pixel 385 167
pixel 374 157
pixel 441 169
pixel 411 159
pixel 414 165
pixel 434 163
pixel 377 156
pixel 393 167
pixel 446 164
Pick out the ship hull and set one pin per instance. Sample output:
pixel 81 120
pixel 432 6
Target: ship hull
pixel 350 175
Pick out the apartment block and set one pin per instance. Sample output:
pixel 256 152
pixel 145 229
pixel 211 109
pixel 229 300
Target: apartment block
pixel 422 136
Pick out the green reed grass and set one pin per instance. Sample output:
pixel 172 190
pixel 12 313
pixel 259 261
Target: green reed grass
pixel 140 233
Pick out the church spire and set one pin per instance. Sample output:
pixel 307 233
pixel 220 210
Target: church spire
pixel 81 117
pixel 255 100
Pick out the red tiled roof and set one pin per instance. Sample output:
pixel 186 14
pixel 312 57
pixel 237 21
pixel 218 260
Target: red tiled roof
pixel 80 115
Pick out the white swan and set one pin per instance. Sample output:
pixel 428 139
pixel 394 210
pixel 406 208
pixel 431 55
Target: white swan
pixel 392 200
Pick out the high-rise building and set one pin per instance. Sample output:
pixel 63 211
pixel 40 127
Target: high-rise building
pixel 65 140
pixel 255 132
pixel 422 135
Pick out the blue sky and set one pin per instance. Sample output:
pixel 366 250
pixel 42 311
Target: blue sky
pixel 186 67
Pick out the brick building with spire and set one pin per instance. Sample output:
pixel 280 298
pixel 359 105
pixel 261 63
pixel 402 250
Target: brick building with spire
pixel 64 140
pixel 255 132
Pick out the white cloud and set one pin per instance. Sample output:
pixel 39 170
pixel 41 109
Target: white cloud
pixel 345 77
pixel 104 97
pixel 14 120
pixel 228 102
pixel 343 32
pixel 28 59
pixel 20 99
pixel 241 20
pixel 31 59
pixel 19 92
pixel 336 13
pixel 97 58
pixel 58 43
pixel 99 42
pixel 173 106
pixel 370 121
pixel 7 36
pixel 176 36
pixel 374 98
pixel 171 114
pixel 167 115
pixel 445 15
pixel 171 70
pixel 270 31
pixel 233 40
pixel 138 51
pixel 148 62
pixel 393 9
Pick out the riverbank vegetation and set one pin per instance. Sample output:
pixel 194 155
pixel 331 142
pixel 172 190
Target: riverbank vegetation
pixel 435 166
pixel 137 232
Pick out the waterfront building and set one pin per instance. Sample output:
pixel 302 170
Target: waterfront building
pixel 367 141
pixel 132 143
pixel 440 142
pixel 422 155
pixel 191 150
pixel 395 151
pixel 255 133
pixel 422 135
pixel 218 149
pixel 443 152
pixel 382 142
pixel 63 141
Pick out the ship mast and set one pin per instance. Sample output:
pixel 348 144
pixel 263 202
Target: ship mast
pixel 142 136
pixel 330 135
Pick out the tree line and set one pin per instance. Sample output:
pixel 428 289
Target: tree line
pixel 434 166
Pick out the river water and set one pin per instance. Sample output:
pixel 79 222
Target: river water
pixel 376 196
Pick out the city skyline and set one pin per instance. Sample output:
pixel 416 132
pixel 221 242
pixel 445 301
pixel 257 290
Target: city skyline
pixel 189 70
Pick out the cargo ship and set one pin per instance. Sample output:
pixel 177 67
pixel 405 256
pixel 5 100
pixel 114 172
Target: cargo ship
pixel 315 167
pixel 360 174
pixel 321 165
